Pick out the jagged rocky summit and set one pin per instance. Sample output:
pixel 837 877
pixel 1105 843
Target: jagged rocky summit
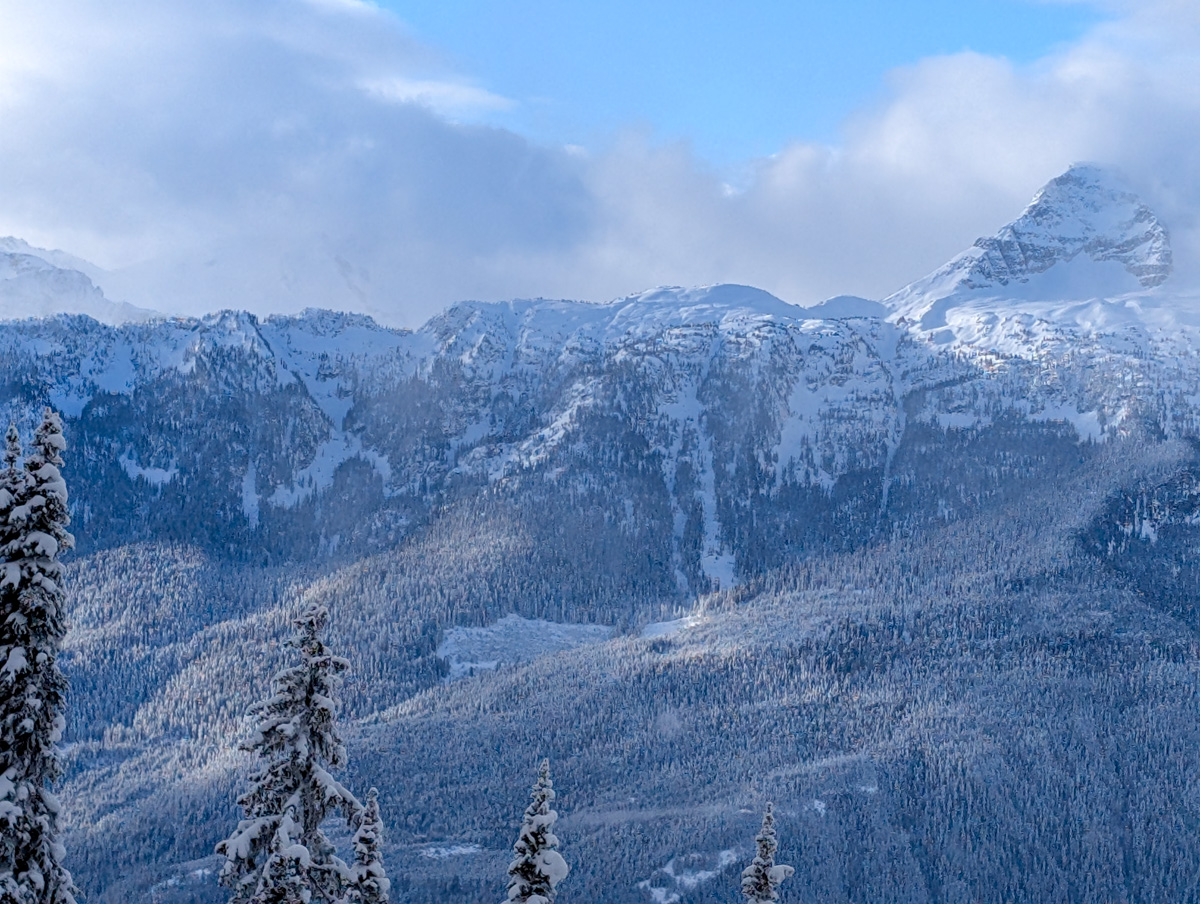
pixel 1084 211
pixel 1087 256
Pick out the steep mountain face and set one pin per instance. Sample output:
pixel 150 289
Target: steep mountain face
pixel 1083 235
pixel 1084 211
pixel 1073 297
pixel 1075 290
pixel 35 282
pixel 716 397
pixel 882 548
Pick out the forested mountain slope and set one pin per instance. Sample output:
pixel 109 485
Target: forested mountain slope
pixel 927 568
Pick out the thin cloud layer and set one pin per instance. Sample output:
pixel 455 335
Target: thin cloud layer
pixel 279 154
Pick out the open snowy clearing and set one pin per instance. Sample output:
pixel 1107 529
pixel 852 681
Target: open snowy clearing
pixel 512 640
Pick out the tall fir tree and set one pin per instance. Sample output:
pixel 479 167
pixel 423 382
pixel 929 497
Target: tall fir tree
pixel 538 867
pixel 369 883
pixel 33 533
pixel 11 481
pixel 279 855
pixel 762 878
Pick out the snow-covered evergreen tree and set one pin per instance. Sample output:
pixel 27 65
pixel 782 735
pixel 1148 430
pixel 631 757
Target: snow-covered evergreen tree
pixel 285 878
pixel 279 853
pixel 762 878
pixel 33 506
pixel 537 869
pixel 11 481
pixel 368 878
pixel 12 454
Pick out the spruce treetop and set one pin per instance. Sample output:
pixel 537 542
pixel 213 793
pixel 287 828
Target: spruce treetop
pixel 38 516
pixel 537 867
pixel 370 884
pixel 278 852
pixel 762 878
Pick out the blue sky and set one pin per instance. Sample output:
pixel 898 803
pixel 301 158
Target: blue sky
pixel 735 80
pixel 277 154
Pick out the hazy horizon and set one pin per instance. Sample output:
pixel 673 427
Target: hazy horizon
pixel 390 159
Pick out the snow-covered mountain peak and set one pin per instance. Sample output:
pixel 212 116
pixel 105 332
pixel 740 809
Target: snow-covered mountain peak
pixel 1085 238
pixel 1086 210
pixel 668 307
pixel 11 245
pixel 322 322
pixel 36 282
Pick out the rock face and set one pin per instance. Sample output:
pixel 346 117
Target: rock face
pixel 1083 211
pixel 1084 235
pixel 740 405
pixel 725 392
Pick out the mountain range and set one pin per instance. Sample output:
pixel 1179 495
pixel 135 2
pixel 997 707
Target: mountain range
pixel 921 570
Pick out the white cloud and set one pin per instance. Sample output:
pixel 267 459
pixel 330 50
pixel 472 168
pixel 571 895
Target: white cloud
pixel 272 154
pixel 447 98
pixel 954 148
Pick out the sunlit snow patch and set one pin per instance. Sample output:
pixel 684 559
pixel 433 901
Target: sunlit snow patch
pixel 443 852
pixel 685 873
pixel 510 640
pixel 250 495
pixel 153 476
pixel 671 628
pixel 190 877
pixel 319 473
pixel 1086 423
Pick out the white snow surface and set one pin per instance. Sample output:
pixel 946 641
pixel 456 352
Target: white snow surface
pixel 535 331
pixel 512 640
pixel 324 351
pixel 1085 258
pixel 673 336
pixel 37 282
pixel 154 476
pixel 1076 286
pixel 318 474
pixel 320 348
pixel 671 628
pixel 250 498
pixel 446 851
pixel 1086 213
pixel 684 874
